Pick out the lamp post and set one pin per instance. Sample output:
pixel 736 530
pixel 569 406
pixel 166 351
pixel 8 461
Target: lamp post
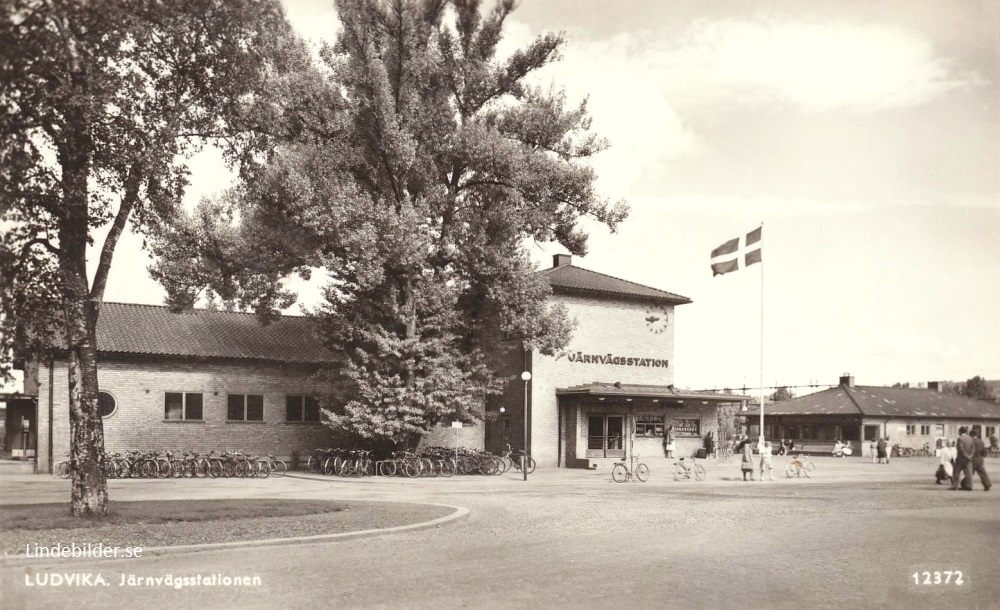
pixel 525 377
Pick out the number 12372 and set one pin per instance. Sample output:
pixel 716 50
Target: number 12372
pixel 945 577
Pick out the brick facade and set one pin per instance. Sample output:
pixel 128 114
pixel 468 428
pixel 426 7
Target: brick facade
pixel 138 421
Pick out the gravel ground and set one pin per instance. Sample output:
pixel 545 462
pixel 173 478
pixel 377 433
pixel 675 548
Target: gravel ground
pixel 852 537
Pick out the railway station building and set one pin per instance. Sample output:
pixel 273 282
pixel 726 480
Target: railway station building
pixel 204 380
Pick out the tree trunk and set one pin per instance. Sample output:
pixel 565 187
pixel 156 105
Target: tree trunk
pixel 89 497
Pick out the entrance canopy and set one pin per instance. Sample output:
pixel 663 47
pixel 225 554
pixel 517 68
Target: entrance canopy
pixel 665 396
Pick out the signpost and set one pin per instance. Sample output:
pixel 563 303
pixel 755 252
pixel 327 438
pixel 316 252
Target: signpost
pixel 457 425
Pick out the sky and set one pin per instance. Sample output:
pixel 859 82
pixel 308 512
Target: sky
pixel 864 136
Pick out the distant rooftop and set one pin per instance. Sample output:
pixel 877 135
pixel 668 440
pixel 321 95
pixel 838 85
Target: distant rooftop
pixel 877 401
pixel 566 278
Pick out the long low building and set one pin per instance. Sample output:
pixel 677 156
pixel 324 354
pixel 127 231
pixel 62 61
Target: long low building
pixel 910 417
pixel 203 380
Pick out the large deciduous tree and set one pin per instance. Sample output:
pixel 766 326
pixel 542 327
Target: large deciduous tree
pixel 100 102
pixel 413 172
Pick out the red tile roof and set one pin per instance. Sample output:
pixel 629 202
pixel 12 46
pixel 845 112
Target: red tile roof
pixel 126 328
pixel 574 280
pixel 877 401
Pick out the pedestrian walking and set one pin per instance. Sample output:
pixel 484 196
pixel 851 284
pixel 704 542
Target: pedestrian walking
pixel 946 463
pixel 765 461
pixel 746 462
pixel 979 461
pixel 873 449
pixel 963 461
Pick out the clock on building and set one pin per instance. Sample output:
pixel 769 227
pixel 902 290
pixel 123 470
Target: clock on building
pixel 656 317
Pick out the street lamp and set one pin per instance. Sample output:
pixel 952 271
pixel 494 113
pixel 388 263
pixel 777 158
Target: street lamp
pixel 525 377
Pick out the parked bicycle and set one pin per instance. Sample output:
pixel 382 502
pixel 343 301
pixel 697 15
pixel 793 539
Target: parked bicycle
pixel 797 467
pixel 515 459
pixel 623 471
pixel 685 468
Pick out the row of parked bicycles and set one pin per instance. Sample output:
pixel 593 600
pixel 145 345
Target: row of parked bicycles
pixel 428 462
pixel 137 464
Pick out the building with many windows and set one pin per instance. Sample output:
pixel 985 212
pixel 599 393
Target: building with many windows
pixel 197 380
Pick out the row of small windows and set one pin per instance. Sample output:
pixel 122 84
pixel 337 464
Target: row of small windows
pixel 239 407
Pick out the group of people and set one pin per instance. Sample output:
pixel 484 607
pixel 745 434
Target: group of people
pixel 747 462
pixel 962 459
pixel 880 450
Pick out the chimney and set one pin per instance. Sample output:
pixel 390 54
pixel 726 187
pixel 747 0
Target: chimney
pixel 847 380
pixel 935 386
pixel 561 260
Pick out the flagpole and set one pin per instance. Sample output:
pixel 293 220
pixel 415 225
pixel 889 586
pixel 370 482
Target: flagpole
pixel 762 345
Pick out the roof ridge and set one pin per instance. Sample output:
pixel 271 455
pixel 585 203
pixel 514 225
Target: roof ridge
pixel 197 309
pixel 671 294
pixel 856 405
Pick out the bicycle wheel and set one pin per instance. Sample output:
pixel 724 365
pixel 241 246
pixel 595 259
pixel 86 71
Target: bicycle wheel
pixel 642 472
pixel 699 472
pixel 314 464
pixel 619 473
pixel 791 470
pixel 531 464
pixel 63 470
pixel 680 473
pixel 177 468
pixel 278 467
pixel 263 468
pixel 447 467
pixel 330 466
pixel 810 469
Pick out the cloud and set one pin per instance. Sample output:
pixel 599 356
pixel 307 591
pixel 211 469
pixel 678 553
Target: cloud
pixel 813 67
pixel 625 100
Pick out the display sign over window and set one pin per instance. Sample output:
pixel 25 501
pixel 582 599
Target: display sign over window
pixel 686 427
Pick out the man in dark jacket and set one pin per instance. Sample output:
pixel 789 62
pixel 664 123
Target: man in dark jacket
pixel 979 461
pixel 963 461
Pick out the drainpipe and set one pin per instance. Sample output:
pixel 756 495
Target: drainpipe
pixel 52 375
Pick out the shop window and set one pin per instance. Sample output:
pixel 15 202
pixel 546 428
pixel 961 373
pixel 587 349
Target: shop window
pixel 808 433
pixel 925 430
pixel 792 432
pixel 687 427
pixel 649 425
pixel 245 407
pixel 182 405
pixel 106 404
pixel 911 429
pixel 301 408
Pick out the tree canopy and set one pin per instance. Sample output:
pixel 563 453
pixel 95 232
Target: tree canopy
pixel 102 102
pixel 415 166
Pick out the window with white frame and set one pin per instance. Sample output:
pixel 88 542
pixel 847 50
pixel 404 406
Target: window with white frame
pixel 182 406
pixel 991 431
pixel 925 430
pixel 301 409
pixel 911 429
pixel 938 429
pixel 245 407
